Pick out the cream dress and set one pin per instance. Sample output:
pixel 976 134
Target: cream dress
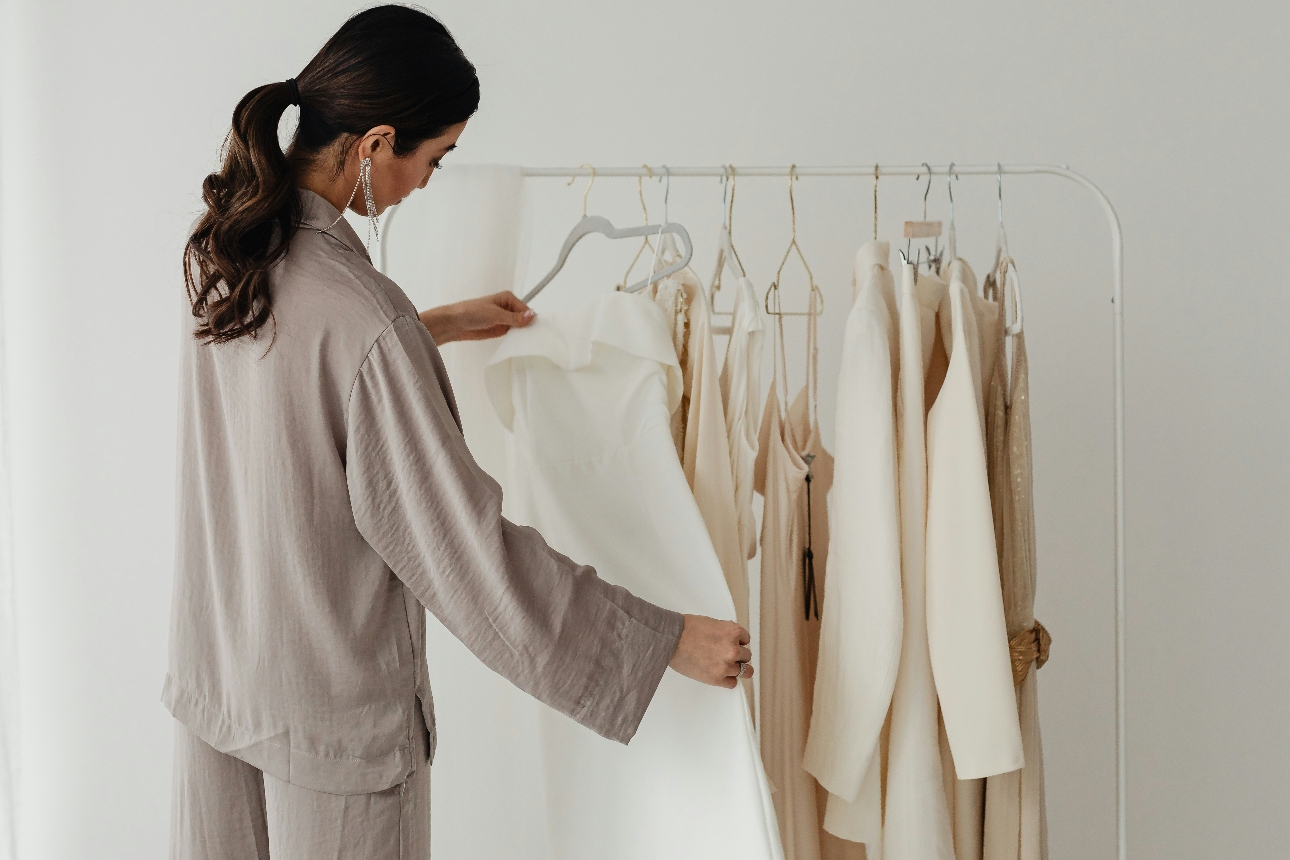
pixel 587 398
pixel 861 623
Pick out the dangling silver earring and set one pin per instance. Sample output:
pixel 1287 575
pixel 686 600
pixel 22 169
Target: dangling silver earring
pixel 365 177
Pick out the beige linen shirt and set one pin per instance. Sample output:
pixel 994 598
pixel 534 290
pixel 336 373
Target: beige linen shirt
pixel 325 496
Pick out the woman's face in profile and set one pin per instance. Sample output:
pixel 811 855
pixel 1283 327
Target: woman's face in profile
pixel 395 177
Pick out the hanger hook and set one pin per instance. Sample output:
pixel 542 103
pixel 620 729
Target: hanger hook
pixel 949 182
pixel 875 201
pixel 586 190
pixel 998 166
pixel 792 204
pixel 640 192
pixel 667 192
pixel 928 189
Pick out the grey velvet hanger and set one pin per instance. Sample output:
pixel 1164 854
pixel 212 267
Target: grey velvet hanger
pixel 599 224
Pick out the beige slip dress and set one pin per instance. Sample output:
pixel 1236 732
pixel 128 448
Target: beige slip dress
pixel 1016 826
pixel 794 547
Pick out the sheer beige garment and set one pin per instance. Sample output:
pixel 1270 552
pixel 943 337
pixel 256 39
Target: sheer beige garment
pixel 1016 824
pixel 699 429
pixel 789 448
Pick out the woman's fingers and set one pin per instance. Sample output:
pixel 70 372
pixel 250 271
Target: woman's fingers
pixel 710 651
pixel 518 313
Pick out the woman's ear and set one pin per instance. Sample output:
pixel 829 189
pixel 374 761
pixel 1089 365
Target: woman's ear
pixel 377 144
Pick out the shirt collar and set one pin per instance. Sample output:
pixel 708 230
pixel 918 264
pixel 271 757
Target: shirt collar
pixel 317 213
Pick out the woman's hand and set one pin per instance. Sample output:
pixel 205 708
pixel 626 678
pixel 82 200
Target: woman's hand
pixel 477 319
pixel 711 651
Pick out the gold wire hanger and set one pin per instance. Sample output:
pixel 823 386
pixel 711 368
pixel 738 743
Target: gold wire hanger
pixel 727 255
pixel 816 305
pixel 875 202
pixel 646 243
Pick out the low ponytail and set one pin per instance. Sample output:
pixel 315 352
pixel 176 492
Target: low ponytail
pixel 389 65
pixel 251 212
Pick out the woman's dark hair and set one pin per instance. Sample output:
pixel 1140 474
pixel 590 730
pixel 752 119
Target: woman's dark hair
pixel 390 65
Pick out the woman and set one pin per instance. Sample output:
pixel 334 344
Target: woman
pixel 327 498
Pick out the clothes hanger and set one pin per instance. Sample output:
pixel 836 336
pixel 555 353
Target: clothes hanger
pixel 875 202
pixel 1000 242
pixel 951 240
pixel 1003 264
pixel 727 256
pixel 923 230
pixel 1007 264
pixel 598 224
pixel 645 243
pixel 816 304
pixel 667 249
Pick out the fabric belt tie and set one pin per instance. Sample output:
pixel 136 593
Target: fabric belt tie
pixel 1027 647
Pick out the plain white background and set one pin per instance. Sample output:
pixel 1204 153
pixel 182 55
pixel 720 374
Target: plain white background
pixel 112 113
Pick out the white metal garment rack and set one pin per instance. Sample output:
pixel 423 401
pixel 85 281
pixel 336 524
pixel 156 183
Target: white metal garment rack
pixel 1117 318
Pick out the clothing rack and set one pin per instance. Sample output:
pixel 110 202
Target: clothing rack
pixel 1117 321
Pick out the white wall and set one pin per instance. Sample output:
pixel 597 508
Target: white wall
pixel 112 113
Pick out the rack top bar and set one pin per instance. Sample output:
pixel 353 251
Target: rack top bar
pixel 805 170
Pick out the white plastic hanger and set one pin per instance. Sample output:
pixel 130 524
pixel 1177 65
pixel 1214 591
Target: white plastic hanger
pixel 1001 241
pixel 598 224
pixel 1006 265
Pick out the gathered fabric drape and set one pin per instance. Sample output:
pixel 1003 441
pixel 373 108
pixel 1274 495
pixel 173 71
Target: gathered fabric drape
pixel 740 387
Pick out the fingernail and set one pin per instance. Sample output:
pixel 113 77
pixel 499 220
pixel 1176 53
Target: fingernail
pixel 529 314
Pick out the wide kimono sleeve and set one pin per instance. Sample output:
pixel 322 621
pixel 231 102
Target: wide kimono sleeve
pixel 552 627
